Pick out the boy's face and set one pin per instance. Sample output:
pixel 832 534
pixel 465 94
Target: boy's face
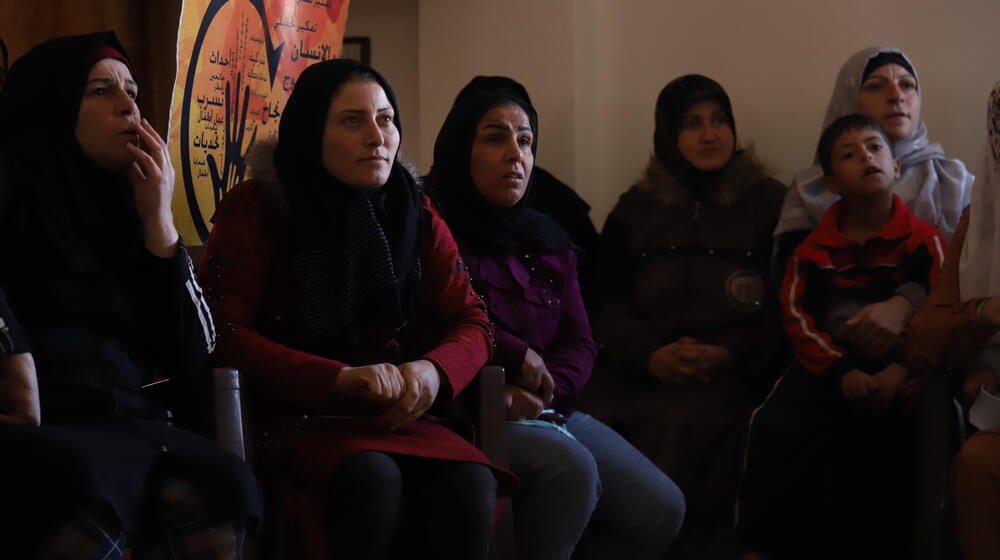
pixel 862 164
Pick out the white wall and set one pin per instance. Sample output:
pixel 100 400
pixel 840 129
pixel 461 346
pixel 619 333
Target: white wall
pixel 391 25
pixel 595 67
pixel 528 40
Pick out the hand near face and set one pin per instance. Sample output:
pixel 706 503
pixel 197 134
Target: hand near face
pixel 679 362
pixel 535 377
pixel 380 383
pixel 875 330
pixel 152 177
pixel 522 405
pixel 19 403
pixel 422 382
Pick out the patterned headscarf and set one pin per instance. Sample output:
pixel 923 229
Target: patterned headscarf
pixel 979 267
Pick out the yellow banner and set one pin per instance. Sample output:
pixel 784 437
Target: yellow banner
pixel 237 62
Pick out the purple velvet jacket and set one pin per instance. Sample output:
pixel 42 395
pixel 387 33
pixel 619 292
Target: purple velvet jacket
pixel 534 301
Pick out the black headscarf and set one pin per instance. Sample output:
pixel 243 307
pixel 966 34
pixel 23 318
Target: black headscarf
pixel 503 84
pixel 674 100
pixel 72 225
pixel 475 222
pixel 355 252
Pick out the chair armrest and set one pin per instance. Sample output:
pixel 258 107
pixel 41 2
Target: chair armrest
pixel 940 437
pixel 230 421
pixel 492 419
pixel 492 415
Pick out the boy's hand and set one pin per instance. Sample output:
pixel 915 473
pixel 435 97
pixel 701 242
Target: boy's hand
pixel 875 330
pixel 857 385
pixel 888 383
pixel 982 377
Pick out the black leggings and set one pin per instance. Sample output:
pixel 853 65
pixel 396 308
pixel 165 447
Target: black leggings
pixel 387 506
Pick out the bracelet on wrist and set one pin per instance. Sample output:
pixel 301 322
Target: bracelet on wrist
pixel 981 310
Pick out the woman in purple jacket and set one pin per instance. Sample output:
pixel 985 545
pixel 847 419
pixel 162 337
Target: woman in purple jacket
pixel 575 472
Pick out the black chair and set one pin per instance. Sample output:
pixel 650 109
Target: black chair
pixel 483 407
pixel 941 426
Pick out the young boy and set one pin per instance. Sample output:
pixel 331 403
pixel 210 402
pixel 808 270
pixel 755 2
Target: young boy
pixel 830 432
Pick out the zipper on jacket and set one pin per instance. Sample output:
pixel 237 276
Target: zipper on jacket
pixel 692 235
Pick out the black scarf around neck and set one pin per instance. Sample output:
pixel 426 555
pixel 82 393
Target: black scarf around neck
pixel 356 275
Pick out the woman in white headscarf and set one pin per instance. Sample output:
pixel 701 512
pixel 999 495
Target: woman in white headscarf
pixel 882 83
pixel 959 325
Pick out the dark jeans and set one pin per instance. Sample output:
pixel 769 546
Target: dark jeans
pixel 593 485
pixel 826 478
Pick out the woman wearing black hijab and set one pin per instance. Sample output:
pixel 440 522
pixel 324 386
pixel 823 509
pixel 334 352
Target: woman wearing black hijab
pixel 95 271
pixel 575 472
pixel 342 298
pixel 690 332
pixel 549 195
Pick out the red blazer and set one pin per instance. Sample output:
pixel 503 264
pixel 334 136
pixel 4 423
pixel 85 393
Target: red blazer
pixel 245 276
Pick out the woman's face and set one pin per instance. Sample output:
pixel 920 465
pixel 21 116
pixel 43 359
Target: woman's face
pixel 501 159
pixel 889 95
pixel 360 138
pixel 108 120
pixel 705 138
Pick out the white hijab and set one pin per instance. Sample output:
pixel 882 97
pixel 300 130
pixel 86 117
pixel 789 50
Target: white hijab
pixel 979 267
pixel 935 188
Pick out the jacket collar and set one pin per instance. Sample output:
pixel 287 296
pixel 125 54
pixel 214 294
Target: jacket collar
pixel 260 167
pixel 743 174
pixel 898 226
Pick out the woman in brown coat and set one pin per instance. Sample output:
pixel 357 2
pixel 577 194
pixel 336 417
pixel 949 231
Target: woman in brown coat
pixel 690 329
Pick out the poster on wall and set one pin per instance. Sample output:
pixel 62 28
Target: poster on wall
pixel 237 62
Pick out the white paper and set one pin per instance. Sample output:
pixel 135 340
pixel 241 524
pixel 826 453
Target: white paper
pixel 985 411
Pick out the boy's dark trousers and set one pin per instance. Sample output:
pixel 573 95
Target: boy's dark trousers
pixel 826 478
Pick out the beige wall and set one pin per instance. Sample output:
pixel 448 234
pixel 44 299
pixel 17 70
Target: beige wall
pixel 392 27
pixel 529 40
pixel 595 67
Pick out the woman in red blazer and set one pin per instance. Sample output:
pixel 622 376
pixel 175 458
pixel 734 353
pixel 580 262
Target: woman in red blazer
pixel 340 294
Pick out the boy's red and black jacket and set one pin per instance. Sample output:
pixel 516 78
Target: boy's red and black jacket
pixel 828 263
